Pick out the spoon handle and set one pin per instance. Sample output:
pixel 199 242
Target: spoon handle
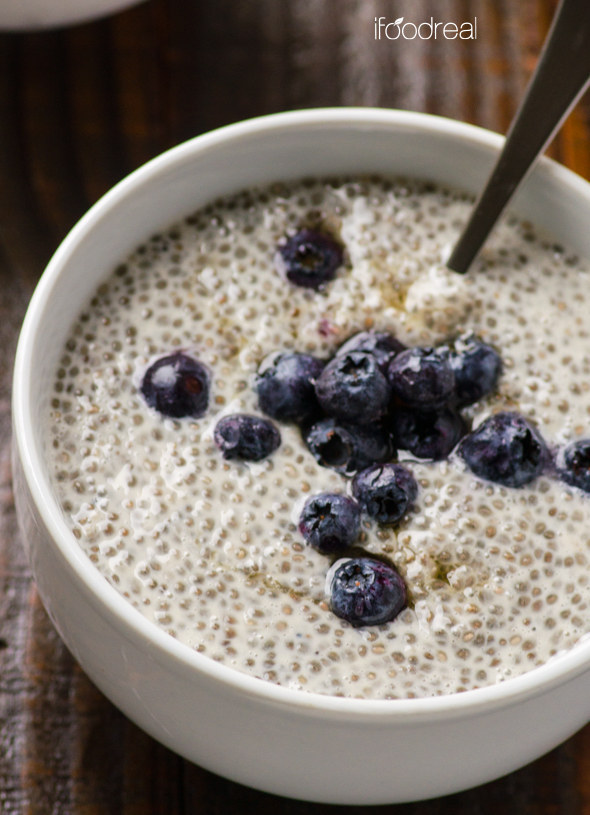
pixel 561 76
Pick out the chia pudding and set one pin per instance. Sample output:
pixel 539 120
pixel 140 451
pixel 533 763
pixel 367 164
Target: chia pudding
pixel 210 548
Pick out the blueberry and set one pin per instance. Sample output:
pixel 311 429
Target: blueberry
pixel 310 258
pixel 285 387
pixel 249 438
pixel 477 368
pixel 505 449
pixel 431 435
pixel 379 344
pixel 330 522
pixel 351 387
pixel 364 591
pixel 347 448
pixel 177 386
pixel 385 491
pixel 421 378
pixel 574 464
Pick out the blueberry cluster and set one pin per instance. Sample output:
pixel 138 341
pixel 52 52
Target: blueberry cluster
pixel 373 397
pixel 355 411
pixel 376 396
pixel 341 407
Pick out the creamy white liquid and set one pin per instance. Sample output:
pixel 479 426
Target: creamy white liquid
pixel 209 550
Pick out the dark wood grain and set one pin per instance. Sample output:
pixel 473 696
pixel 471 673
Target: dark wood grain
pixel 81 107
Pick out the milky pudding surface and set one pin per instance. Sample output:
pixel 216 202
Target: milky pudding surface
pixel 209 549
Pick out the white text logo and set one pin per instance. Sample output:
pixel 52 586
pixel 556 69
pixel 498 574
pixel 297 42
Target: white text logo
pixel 427 30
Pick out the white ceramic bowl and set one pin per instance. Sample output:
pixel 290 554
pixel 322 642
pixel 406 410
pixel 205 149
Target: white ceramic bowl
pixel 17 15
pixel 283 741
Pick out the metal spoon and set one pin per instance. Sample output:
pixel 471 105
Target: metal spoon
pixel 561 77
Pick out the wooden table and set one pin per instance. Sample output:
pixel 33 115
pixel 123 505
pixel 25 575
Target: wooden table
pixel 81 107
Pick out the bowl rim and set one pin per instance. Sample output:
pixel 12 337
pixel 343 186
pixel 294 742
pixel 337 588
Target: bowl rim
pixel 40 15
pixel 129 621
